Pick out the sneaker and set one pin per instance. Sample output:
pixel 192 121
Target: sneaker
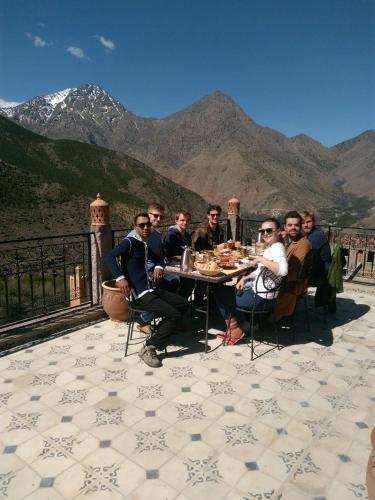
pixel 149 356
pixel 146 329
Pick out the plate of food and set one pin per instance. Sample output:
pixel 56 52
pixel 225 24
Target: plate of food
pixel 208 269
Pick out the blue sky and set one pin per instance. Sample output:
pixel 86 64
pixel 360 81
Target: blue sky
pixel 298 66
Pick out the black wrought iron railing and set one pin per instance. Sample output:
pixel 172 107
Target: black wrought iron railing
pixel 359 249
pixel 39 276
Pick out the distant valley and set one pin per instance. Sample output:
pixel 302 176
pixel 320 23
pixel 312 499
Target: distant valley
pixel 215 150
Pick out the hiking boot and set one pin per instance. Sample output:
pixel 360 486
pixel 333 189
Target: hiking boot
pixel 146 329
pixel 149 356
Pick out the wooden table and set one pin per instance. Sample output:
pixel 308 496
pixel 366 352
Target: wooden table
pixel 223 277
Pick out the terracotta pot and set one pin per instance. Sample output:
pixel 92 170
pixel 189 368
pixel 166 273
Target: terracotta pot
pixel 114 302
pixel 370 476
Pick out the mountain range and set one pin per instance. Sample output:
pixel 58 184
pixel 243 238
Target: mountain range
pixel 47 185
pixel 214 149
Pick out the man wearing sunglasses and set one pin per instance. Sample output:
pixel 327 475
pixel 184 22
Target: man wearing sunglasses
pixel 155 213
pixel 134 281
pixel 298 251
pixel 210 233
pixel 205 237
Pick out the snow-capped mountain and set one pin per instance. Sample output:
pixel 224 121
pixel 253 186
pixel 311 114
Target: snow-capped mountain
pixel 87 113
pixel 37 110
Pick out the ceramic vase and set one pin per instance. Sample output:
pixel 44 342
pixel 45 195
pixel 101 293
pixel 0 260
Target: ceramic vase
pixel 114 302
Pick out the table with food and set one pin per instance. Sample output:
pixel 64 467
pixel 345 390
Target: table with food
pixel 222 264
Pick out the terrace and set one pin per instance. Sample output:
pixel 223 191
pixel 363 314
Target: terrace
pixel 78 420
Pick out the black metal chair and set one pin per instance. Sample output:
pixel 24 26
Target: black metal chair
pixel 133 314
pixel 271 285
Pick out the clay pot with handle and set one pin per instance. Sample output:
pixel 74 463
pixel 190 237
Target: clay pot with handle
pixel 370 476
pixel 114 302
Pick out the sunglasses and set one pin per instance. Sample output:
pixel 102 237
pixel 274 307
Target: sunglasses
pixel 214 215
pixel 157 216
pixel 144 224
pixel 268 230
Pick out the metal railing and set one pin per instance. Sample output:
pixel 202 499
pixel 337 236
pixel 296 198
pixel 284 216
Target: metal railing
pixel 359 248
pixel 37 276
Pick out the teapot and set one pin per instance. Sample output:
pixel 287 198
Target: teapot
pixel 187 259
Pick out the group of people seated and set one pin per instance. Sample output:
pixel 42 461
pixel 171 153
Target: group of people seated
pixel 138 265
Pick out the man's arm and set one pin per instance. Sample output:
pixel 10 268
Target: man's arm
pixel 122 250
pixel 199 239
pixel 172 245
pixel 325 254
pixel 158 265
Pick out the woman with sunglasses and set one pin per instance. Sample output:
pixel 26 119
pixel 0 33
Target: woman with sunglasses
pixel 244 295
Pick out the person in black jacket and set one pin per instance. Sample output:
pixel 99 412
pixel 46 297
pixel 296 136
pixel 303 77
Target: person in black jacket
pixel 175 240
pixel 178 236
pixel 134 281
pixel 320 246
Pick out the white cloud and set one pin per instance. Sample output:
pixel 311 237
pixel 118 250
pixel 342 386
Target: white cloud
pixel 76 52
pixel 8 104
pixel 42 25
pixel 107 43
pixel 37 40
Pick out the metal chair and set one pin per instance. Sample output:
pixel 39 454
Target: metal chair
pixel 271 284
pixel 133 314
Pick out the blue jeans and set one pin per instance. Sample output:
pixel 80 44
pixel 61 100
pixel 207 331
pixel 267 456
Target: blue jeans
pixel 228 298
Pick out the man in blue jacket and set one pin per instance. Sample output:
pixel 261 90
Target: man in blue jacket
pixel 134 281
pixel 320 247
pixel 155 212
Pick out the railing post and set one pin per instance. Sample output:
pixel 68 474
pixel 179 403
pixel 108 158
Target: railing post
pixel 101 245
pixel 234 218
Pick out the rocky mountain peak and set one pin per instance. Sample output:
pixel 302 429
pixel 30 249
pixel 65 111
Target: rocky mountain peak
pixel 367 137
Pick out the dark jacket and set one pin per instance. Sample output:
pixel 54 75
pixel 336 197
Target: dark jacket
pixel 175 241
pixel 322 256
pixel 134 255
pixel 204 238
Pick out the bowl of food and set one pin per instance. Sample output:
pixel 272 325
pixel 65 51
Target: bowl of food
pixel 208 269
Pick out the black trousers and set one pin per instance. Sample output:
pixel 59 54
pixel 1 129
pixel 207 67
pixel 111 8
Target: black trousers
pixel 183 286
pixel 166 304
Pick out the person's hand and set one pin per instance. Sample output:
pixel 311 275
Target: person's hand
pixel 158 274
pixel 241 283
pixel 256 260
pixel 123 285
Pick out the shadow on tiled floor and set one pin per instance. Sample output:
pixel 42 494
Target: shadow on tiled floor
pixel 78 420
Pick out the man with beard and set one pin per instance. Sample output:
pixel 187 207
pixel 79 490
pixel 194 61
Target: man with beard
pixel 298 250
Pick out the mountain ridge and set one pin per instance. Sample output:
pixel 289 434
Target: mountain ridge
pixel 50 183
pixel 297 171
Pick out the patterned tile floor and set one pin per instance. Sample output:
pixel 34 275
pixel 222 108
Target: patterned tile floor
pixel 77 420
